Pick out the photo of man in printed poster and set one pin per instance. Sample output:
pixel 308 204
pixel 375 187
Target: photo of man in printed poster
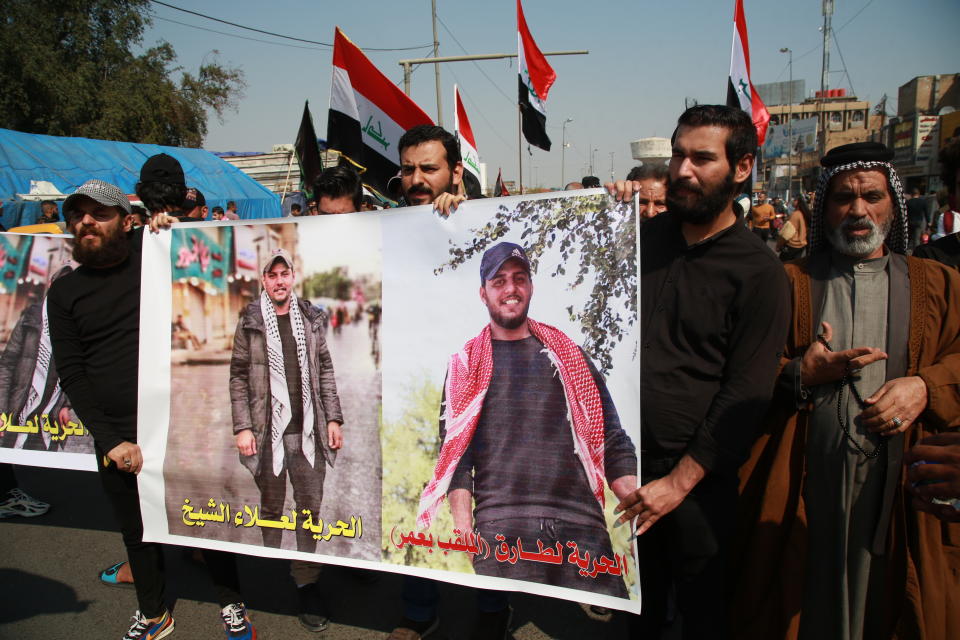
pixel 515 418
pixel 35 414
pixel 288 454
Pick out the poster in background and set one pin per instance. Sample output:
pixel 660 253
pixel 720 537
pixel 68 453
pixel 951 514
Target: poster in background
pixel 37 423
pixel 425 269
pixel 781 139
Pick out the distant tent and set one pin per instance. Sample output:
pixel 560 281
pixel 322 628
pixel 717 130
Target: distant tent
pixel 67 163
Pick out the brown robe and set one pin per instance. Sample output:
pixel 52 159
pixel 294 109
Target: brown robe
pixel 921 597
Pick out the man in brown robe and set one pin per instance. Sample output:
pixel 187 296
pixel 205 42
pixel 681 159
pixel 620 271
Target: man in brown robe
pixel 830 545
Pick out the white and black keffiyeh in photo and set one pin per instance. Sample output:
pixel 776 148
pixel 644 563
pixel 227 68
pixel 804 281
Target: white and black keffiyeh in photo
pixel 896 239
pixel 39 382
pixel 280 412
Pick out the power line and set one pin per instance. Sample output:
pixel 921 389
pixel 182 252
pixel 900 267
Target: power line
pixel 479 111
pixel 479 68
pixel 842 61
pixel 277 35
pixel 817 47
pixel 862 9
pixel 233 35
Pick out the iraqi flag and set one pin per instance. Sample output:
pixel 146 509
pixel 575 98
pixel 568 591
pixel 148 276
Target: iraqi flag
pixel 740 92
pixel 464 133
pixel 536 78
pixel 368 114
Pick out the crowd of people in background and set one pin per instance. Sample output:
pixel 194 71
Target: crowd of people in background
pixel 801 454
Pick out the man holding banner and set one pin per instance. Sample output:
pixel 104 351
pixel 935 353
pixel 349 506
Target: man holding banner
pixel 94 315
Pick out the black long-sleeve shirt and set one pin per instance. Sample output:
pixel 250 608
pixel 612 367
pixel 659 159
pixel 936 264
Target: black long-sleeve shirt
pixel 521 461
pixel 714 318
pixel 94 319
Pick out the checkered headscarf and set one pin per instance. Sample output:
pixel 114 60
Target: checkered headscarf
pixel 897 237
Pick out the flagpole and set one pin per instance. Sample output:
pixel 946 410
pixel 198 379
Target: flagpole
pixel 520 147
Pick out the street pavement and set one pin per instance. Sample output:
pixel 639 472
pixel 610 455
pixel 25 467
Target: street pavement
pixel 49 565
pixel 49 586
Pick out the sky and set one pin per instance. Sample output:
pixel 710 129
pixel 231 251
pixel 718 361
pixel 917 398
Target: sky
pixel 645 58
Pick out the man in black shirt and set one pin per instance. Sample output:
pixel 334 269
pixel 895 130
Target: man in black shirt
pixel 94 315
pixel 714 315
pixel 533 438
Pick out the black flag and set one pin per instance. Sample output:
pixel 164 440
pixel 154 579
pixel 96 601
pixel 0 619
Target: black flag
pixel 308 153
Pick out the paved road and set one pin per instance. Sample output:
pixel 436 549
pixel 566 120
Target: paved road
pixel 49 589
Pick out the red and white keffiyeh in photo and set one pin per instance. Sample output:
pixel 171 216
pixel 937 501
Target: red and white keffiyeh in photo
pixel 468 378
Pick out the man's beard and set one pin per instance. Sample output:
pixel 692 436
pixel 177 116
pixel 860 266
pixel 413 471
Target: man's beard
pixel 858 247
pixel 708 205
pixel 509 323
pixel 114 248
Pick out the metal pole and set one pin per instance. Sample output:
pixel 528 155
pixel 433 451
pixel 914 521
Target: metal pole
pixel 520 148
pixel 611 165
pixel 436 67
pixel 563 154
pixel 789 51
pixel 407 70
pixel 824 74
pixel 484 56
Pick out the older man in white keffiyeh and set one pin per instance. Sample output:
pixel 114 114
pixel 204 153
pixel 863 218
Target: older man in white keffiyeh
pixel 286 412
pixel 871 365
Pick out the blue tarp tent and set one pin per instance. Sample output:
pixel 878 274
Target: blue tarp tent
pixel 69 162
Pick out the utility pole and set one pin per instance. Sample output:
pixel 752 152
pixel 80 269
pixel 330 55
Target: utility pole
pixel 563 152
pixel 825 66
pixel 787 50
pixel 436 67
pixel 824 73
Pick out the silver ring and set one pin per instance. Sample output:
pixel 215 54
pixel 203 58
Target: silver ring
pixel 127 463
pixel 897 422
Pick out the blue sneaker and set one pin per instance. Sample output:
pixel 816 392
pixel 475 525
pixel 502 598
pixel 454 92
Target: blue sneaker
pixel 236 622
pixel 143 629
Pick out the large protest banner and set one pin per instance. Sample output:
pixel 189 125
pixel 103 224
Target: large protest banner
pixel 387 318
pixel 37 423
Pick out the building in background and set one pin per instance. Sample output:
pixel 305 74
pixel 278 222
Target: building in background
pixel 651 150
pixel 801 131
pixel 927 118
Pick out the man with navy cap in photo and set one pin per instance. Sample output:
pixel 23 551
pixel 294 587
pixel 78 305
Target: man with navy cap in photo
pixel 530 436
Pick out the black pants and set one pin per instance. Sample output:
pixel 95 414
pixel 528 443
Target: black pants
pixel 146 558
pixel 307 484
pixel 791 253
pixel 7 478
pixel 593 542
pixel 682 561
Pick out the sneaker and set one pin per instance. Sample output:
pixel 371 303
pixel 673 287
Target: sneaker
pixel 493 625
pixel 17 503
pixel 414 630
pixel 310 609
pixel 143 629
pixel 236 622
